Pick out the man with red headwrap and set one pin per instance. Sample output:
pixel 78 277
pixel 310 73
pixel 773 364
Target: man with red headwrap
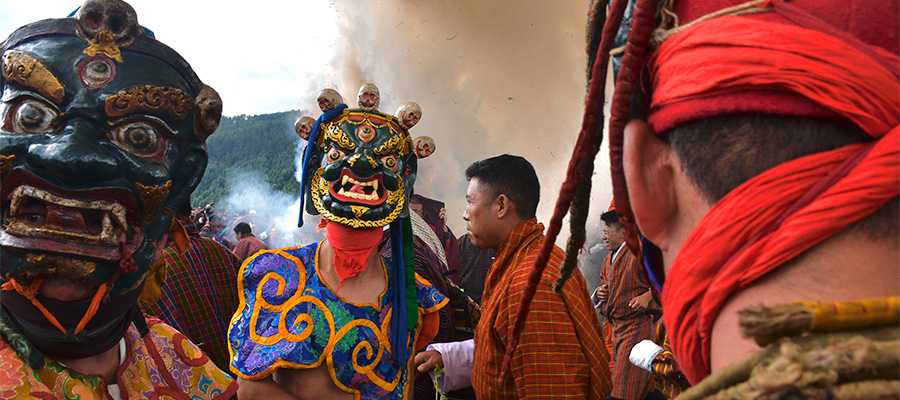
pixel 761 158
pixel 766 169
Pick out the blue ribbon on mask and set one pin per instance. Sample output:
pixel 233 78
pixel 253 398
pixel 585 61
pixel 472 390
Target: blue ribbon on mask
pixel 399 329
pixel 307 154
pixel 649 253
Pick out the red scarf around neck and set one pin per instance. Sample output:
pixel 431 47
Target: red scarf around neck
pixel 352 247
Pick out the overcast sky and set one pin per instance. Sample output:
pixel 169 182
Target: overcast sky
pixel 251 52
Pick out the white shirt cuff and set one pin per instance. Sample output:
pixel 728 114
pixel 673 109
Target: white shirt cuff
pixel 643 354
pixel 457 358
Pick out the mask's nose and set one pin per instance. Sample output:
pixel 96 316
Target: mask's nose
pixel 363 164
pixel 75 155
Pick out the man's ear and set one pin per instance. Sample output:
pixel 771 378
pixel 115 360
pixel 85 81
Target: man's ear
pixel 650 169
pixel 503 206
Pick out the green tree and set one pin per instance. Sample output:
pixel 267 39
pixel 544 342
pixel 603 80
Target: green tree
pixel 264 144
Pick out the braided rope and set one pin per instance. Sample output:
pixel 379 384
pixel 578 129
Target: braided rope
pixel 637 52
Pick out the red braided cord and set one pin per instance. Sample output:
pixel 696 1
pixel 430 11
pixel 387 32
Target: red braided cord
pixel 589 135
pixel 637 52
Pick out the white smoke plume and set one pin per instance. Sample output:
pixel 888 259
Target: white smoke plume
pixel 492 77
pixel 496 77
pixel 271 214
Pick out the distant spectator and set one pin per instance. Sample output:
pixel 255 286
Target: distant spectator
pixel 247 244
pixel 214 228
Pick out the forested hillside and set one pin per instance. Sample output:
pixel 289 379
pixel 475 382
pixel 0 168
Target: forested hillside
pixel 263 144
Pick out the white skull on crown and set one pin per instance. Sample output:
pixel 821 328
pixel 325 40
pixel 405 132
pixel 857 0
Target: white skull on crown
pixel 368 97
pixel 328 99
pixel 303 127
pixel 424 146
pixel 409 114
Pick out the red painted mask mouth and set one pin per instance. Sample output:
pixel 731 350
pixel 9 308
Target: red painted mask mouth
pixel 352 190
pixel 92 224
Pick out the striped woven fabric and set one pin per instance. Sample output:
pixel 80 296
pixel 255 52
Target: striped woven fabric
pixel 199 295
pixel 560 353
pixel 626 280
pixel 668 379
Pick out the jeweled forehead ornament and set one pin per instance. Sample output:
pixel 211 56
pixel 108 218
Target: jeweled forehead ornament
pixel 107 26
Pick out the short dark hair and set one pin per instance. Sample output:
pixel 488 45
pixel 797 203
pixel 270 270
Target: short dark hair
pixel 610 218
pixel 721 153
pixel 513 176
pixel 242 227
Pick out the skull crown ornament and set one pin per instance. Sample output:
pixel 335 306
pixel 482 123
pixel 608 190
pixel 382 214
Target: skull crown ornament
pixel 362 163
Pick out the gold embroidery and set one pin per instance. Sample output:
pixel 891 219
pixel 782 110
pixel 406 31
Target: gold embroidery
pixel 396 144
pixel 104 44
pixel 296 299
pixel 25 70
pixel 334 334
pixel 365 354
pixel 337 135
pixel 6 163
pixel 149 98
pixel 358 211
pixel 153 197
pixel 367 370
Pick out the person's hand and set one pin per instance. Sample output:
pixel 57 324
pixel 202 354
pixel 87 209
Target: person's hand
pixel 601 293
pixel 642 301
pixel 428 360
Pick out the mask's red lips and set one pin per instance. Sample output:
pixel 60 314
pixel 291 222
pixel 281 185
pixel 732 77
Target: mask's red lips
pixel 350 189
pixel 89 223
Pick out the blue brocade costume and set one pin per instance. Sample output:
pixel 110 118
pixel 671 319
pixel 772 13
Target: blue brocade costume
pixel 289 318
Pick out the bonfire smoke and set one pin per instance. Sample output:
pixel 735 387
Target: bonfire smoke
pixel 272 214
pixel 492 77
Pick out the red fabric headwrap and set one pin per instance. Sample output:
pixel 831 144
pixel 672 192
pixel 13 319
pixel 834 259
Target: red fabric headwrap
pixel 788 209
pixel 352 248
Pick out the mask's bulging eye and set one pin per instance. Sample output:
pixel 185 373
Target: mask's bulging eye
pixel 390 162
pixel 30 116
pixel 334 155
pixel 139 138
